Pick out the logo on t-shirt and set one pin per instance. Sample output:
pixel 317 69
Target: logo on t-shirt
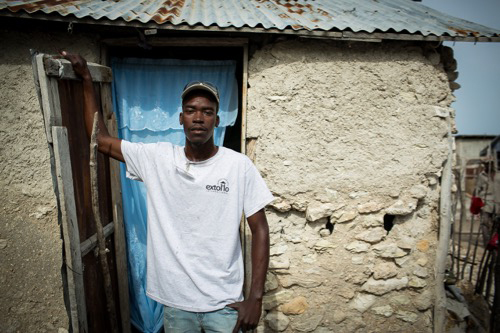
pixel 222 186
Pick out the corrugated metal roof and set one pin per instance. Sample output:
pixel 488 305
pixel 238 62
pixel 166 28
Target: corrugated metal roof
pixel 396 16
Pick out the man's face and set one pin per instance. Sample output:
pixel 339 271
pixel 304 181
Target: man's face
pixel 199 117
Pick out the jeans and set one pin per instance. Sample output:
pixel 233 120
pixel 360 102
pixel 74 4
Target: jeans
pixel 180 321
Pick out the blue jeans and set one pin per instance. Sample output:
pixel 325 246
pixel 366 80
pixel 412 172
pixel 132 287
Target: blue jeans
pixel 180 321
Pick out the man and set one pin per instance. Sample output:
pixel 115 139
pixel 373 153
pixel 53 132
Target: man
pixel 196 195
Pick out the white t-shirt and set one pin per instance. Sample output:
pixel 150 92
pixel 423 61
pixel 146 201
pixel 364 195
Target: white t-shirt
pixel 194 258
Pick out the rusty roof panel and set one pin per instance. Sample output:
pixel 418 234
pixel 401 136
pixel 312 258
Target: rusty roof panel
pixel 400 16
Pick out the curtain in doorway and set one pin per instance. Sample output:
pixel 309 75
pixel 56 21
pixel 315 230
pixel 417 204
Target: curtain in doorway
pixel 147 102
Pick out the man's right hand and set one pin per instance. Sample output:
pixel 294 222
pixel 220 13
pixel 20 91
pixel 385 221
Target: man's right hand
pixel 79 64
pixel 106 144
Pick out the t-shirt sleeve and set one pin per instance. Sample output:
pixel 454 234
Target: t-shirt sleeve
pixel 136 159
pixel 257 194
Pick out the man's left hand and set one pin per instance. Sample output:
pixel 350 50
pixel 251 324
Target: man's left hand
pixel 249 312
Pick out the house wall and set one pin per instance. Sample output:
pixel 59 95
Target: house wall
pixel 345 134
pixel 31 295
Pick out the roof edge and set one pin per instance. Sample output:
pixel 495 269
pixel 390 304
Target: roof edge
pixel 336 35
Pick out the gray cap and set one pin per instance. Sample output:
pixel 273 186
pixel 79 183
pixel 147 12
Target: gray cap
pixel 201 85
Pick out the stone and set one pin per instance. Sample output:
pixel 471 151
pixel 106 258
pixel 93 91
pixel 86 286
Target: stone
pixel 385 271
pixel 357 247
pixel 287 163
pixel 3 244
pixel 277 321
pixel 401 207
pixel 274 239
pixel 394 193
pixel 407 316
pixel 459 309
pixel 354 195
pixel 381 287
pixel 423 245
pixel 418 191
pixel 41 212
pixel 324 233
pixel 434 58
pixel 288 281
pixel 385 310
pixel 345 292
pixel 323 245
pixel 271 282
pixel 278 98
pixel 296 306
pixel 278 249
pixel 347 216
pixel 354 324
pixel 423 301
pixel 270 301
pixel 369 207
pixel 371 221
pixel 336 215
pixel 358 259
pixel 363 302
pixel 441 112
pixel 422 261
pixel 373 235
pixel 317 210
pixel 401 262
pixel 358 278
pixel 421 272
pixel 281 206
pixel 432 179
pixel 309 258
pixel 416 282
pixel 388 250
pixel 307 324
pixel 301 206
pixel 405 242
pixel 339 316
pixel 401 300
pixel 282 263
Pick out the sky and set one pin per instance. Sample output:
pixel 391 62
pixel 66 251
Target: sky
pixel 477 102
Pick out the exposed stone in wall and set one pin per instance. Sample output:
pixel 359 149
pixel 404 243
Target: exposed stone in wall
pixel 31 296
pixel 351 140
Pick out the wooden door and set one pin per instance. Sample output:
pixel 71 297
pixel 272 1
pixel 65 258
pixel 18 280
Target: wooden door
pixel 60 95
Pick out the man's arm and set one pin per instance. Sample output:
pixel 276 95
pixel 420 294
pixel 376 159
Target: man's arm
pixel 250 309
pixel 106 144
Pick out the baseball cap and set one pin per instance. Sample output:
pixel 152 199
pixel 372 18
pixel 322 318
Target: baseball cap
pixel 201 85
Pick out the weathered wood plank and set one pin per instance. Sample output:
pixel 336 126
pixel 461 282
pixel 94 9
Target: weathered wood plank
pixel 101 240
pixel 444 238
pixel 245 232
pixel 62 69
pixel 73 263
pixel 90 243
pixel 49 92
pixel 116 199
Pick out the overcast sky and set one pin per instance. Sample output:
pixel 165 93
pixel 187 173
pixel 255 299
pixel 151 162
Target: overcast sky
pixel 478 100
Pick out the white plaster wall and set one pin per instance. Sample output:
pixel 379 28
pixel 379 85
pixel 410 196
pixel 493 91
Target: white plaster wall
pixel 346 133
pixel 31 296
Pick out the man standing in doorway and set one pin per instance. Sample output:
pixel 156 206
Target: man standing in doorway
pixel 196 196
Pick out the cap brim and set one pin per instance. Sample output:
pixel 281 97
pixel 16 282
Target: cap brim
pixel 200 87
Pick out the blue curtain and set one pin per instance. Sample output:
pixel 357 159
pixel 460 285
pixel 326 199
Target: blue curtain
pixel 146 99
